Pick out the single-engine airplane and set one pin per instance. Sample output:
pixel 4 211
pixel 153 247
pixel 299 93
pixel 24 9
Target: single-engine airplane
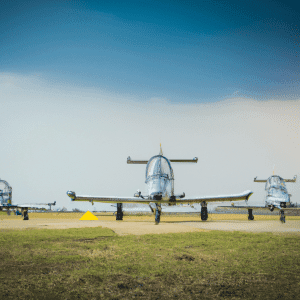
pixel 277 196
pixel 160 182
pixel 6 201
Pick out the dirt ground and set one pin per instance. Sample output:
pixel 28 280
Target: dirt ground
pixel 138 225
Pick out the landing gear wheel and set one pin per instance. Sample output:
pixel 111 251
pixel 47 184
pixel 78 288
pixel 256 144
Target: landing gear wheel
pixel 204 214
pixel 157 214
pixel 282 216
pixel 25 214
pixel 119 216
pixel 250 215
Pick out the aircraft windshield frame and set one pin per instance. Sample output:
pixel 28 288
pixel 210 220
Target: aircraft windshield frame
pixel 159 166
pixel 275 182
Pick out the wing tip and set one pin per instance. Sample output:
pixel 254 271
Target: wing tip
pixel 248 194
pixel 72 195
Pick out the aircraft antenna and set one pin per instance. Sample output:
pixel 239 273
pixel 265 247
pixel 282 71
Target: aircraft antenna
pixel 160 151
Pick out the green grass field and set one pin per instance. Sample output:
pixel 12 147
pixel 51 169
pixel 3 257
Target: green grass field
pixel 95 263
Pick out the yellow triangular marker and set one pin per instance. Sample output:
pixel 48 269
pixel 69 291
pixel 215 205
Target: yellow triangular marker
pixel 88 216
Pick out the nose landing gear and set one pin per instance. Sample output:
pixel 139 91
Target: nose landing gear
pixel 25 214
pixel 282 216
pixel 157 213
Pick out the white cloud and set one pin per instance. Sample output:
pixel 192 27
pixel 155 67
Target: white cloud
pixel 55 138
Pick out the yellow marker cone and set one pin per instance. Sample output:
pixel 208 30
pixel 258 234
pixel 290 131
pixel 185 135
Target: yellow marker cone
pixel 88 216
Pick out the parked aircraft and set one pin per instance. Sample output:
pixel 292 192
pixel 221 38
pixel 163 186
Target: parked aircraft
pixel 8 207
pixel 6 201
pixel 160 182
pixel 277 196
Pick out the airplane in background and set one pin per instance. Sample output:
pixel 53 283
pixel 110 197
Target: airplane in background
pixel 160 182
pixel 277 196
pixel 6 201
pixel 8 207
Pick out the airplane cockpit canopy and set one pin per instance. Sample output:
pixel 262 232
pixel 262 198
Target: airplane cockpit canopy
pixel 275 182
pixel 159 166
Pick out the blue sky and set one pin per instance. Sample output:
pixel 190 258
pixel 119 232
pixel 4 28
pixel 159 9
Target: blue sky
pixel 182 51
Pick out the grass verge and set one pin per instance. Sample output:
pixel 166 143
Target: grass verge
pixel 95 263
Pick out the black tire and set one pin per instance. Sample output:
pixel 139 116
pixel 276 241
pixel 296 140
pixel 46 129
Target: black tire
pixel 204 214
pixel 157 215
pixel 26 217
pixel 119 215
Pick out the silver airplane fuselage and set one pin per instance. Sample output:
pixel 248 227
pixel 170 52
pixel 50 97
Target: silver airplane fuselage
pixel 159 178
pixel 276 192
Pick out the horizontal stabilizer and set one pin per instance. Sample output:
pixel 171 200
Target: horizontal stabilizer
pixel 144 162
pixel 291 180
pixel 141 162
pixel 260 180
pixel 194 160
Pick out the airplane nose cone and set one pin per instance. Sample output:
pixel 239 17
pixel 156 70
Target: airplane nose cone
pixel 71 194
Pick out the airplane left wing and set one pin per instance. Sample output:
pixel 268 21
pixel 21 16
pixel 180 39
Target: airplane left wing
pixel 234 197
pixel 106 199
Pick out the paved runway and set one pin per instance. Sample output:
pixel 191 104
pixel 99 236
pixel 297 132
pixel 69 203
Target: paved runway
pixel 137 227
pixel 249 226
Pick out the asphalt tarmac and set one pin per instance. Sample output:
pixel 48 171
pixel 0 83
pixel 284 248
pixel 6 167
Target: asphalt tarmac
pixel 141 225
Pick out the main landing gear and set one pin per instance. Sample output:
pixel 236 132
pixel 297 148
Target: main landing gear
pixel 204 214
pixel 282 216
pixel 157 213
pixel 119 216
pixel 25 214
pixel 250 214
